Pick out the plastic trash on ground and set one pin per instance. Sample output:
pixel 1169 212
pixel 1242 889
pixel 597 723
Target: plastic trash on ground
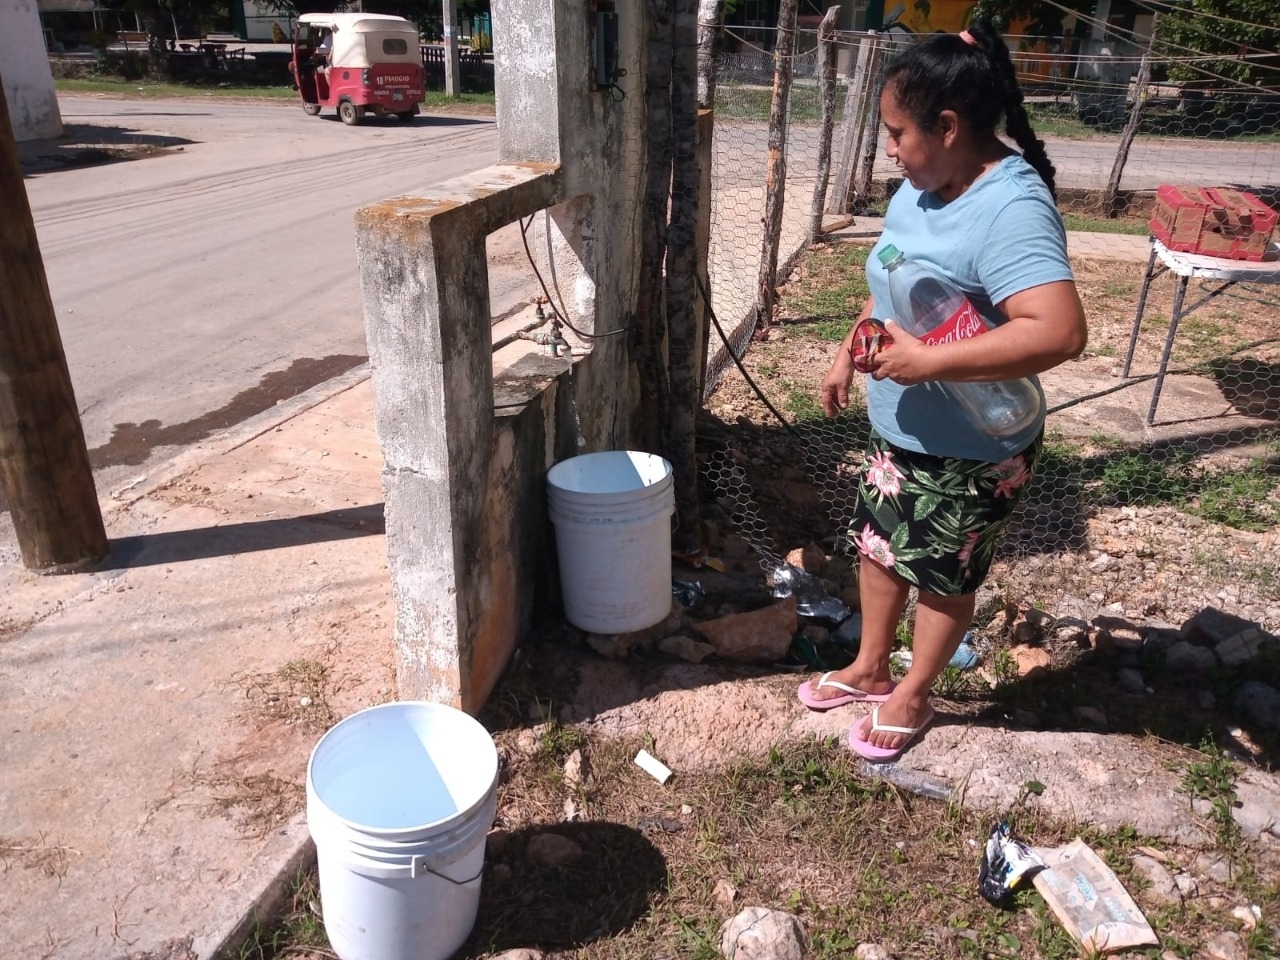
pixel 1005 861
pixel 1090 901
pixel 812 599
pixel 966 656
pixel 689 593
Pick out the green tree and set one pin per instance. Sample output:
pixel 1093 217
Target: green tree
pixel 1235 29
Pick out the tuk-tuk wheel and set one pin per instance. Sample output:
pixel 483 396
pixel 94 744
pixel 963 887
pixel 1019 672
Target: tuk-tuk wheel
pixel 406 116
pixel 350 113
pixel 311 109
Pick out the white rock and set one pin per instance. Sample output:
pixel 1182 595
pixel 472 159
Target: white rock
pixel 724 893
pixel 1187 886
pixel 575 770
pixel 524 953
pixel 758 933
pixel 551 850
pixel 1227 946
pixel 1163 890
pixel 871 951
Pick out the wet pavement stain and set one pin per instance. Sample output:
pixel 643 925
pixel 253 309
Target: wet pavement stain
pixel 132 443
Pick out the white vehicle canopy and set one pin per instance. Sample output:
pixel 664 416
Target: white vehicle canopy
pixel 363 39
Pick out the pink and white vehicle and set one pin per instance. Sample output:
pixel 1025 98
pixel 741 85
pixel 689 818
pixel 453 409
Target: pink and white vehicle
pixel 358 63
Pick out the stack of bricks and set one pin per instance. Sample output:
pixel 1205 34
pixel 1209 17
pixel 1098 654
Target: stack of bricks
pixel 1214 221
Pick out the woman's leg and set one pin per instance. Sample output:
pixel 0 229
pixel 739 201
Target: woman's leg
pixel 941 622
pixel 883 596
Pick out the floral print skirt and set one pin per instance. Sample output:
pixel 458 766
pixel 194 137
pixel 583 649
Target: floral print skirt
pixel 936 521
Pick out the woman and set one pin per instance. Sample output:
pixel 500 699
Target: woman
pixel 936 490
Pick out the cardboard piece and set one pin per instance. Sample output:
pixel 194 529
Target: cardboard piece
pixel 1214 221
pixel 1089 900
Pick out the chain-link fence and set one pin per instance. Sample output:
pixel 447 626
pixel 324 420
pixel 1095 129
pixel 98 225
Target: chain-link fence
pixel 1140 511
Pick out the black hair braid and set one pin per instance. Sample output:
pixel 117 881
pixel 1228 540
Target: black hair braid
pixel 1016 121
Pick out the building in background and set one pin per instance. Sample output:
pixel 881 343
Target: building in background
pixel 28 81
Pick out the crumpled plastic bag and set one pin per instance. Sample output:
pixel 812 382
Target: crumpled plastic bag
pixel 812 599
pixel 1005 861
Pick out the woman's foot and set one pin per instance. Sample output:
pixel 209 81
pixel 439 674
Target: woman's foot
pixel 901 712
pixel 850 685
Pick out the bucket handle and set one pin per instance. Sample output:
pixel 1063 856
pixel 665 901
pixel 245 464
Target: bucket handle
pixel 418 867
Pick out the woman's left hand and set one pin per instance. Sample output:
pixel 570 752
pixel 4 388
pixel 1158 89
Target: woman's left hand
pixel 907 362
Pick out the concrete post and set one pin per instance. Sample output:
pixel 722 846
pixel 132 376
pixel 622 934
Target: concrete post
pixel 452 85
pixel 425 286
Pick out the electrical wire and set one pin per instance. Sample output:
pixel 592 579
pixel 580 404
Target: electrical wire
pixel 560 312
pixel 706 300
pixel 1213 36
pixel 1213 16
pixel 1117 31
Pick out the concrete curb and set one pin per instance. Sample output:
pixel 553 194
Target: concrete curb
pixel 231 439
pixel 227 940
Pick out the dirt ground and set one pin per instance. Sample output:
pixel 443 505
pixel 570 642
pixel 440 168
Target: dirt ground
pixel 1099 735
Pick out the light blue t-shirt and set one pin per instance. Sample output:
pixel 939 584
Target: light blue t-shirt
pixel 1001 236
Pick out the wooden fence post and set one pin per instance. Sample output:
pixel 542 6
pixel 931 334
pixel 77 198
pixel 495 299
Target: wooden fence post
pixel 776 175
pixel 44 465
pixel 871 126
pixel 855 103
pixel 827 82
pixel 1131 125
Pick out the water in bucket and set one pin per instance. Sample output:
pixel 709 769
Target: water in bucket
pixel 399 800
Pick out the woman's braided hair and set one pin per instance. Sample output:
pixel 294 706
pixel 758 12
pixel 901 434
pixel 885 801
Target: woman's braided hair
pixel 977 81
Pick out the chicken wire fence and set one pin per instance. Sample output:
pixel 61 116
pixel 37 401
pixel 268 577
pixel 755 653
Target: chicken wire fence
pixel 1146 520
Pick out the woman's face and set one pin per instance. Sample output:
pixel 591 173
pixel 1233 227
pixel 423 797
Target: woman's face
pixel 922 157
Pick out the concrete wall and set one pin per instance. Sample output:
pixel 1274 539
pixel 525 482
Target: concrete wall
pixel 469 542
pixel 28 83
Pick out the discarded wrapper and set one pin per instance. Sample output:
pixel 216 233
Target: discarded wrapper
pixel 1090 901
pixel 812 599
pixel 689 593
pixel 1005 861
pixel 653 766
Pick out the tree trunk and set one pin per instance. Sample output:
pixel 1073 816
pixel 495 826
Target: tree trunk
pixel 1131 126
pixel 710 20
pixel 776 175
pixel 44 466
pixel 855 105
pixel 827 82
pixel 870 138
pixel 682 264
pixel 651 325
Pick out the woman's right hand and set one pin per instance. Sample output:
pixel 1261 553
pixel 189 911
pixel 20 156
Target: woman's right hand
pixel 835 385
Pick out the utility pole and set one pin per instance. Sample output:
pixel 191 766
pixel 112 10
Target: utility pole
pixel 44 465
pixel 452 85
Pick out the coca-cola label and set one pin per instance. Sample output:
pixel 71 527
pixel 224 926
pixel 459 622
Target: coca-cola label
pixel 963 324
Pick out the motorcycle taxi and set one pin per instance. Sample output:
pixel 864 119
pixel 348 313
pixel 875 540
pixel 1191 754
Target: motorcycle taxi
pixel 358 63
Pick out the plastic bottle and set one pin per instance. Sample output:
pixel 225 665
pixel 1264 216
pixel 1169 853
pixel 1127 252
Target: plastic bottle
pixel 932 308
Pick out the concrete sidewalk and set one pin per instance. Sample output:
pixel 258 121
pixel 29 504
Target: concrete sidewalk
pixel 159 712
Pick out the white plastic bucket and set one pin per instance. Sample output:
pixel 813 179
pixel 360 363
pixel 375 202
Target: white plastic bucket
pixel 612 514
pixel 400 798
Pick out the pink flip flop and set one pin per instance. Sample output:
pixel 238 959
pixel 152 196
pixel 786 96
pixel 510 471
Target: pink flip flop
pixel 864 748
pixel 850 695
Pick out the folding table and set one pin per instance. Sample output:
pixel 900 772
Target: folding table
pixel 1185 266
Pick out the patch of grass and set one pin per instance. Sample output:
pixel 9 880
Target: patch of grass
pixel 1238 498
pixel 833 288
pixel 742 102
pixel 295 692
pixel 1085 224
pixel 1140 479
pixel 1214 779
pixel 258 803
pixel 559 740
pixel 803 405
pixel 832 330
pixel 439 100
pixel 146 89
pixel 299 931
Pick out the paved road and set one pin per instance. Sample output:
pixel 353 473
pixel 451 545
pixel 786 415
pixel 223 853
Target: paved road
pixel 191 284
